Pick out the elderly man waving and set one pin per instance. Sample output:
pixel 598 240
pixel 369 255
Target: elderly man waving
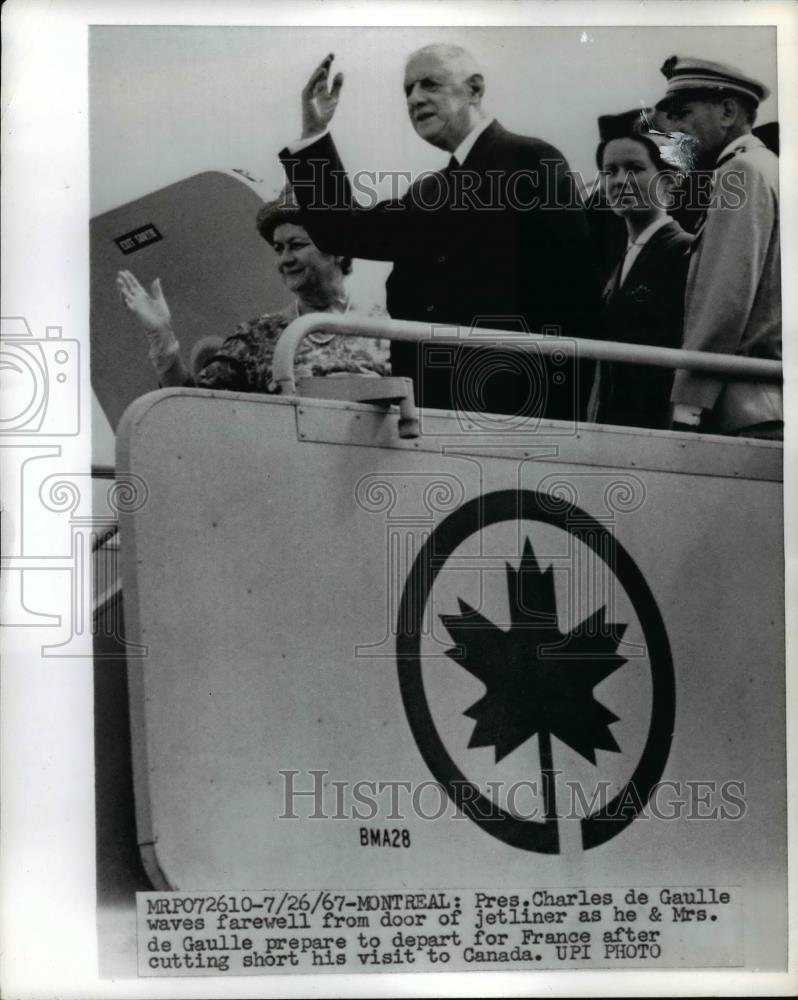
pixel 496 239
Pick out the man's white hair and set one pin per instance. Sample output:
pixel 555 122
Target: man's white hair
pixel 461 62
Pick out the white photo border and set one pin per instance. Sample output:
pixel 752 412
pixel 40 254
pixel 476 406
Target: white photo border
pixel 47 875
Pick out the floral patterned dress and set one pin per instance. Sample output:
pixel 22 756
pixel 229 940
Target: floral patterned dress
pixel 244 361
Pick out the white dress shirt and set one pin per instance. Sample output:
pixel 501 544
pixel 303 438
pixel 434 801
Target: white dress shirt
pixel 633 247
pixel 467 144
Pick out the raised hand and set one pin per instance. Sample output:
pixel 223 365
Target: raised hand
pixel 150 308
pixel 319 103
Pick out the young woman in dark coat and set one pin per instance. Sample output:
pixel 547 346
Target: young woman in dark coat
pixel 644 297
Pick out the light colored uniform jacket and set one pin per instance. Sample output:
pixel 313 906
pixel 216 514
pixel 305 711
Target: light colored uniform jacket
pixel 733 295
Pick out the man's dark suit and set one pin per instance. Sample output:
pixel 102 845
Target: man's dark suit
pixel 466 252
pixel 648 308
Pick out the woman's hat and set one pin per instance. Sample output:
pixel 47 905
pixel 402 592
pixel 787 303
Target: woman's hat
pixel 280 210
pixel 625 124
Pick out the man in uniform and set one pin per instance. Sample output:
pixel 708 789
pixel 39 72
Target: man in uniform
pixel 497 239
pixel 733 296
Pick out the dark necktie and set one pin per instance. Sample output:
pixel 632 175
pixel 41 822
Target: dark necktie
pixel 450 181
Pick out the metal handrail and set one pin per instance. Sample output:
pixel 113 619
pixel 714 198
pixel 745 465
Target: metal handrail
pixel 757 369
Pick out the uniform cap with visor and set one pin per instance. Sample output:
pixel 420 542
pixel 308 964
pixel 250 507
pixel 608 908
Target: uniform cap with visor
pixel 688 78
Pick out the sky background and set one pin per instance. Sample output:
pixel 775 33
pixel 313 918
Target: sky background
pixel 169 102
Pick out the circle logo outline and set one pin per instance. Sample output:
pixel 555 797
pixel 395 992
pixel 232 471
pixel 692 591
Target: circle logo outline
pixel 528 505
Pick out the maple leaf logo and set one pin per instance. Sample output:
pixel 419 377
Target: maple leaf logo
pixel 538 680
